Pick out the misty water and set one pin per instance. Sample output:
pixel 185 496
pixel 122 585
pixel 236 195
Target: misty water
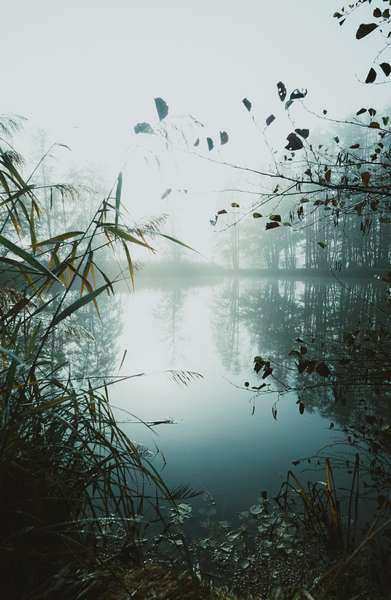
pixel 225 439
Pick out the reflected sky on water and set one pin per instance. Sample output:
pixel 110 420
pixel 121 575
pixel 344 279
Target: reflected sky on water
pixel 225 439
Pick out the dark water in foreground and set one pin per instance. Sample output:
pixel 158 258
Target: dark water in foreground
pixel 225 439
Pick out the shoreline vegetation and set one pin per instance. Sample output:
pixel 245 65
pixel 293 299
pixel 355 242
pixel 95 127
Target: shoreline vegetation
pixel 85 510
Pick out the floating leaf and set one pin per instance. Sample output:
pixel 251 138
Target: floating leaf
pixel 365 29
pixel 270 120
pixel 257 215
pixel 162 108
pixel 255 509
pixel 281 91
pixel 143 128
pixel 247 104
pixel 223 137
pixel 294 142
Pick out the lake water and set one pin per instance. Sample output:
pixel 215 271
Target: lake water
pixel 225 439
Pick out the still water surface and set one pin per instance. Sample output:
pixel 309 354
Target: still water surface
pixel 225 439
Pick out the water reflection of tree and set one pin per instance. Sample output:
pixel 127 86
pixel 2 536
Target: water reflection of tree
pixel 226 324
pixel 279 315
pixel 89 342
pixel 170 313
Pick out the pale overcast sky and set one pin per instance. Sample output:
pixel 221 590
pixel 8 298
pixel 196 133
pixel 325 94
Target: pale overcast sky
pixel 88 70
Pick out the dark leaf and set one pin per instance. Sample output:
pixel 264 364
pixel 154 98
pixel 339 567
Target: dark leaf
pixel 235 205
pixel 372 111
pixel 162 108
pixel 301 408
pixel 377 13
pixel 288 104
pixel 297 94
pixel 197 142
pixel 371 76
pixel 386 68
pixel 257 215
pixel 247 104
pixel 304 133
pixel 365 177
pixel 272 225
pixel 166 193
pixel 270 120
pixel 210 143
pixel 223 137
pixel 275 218
pixel 361 111
pixel 281 91
pixel 374 125
pixel 365 29
pixel 294 142
pixel 222 212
